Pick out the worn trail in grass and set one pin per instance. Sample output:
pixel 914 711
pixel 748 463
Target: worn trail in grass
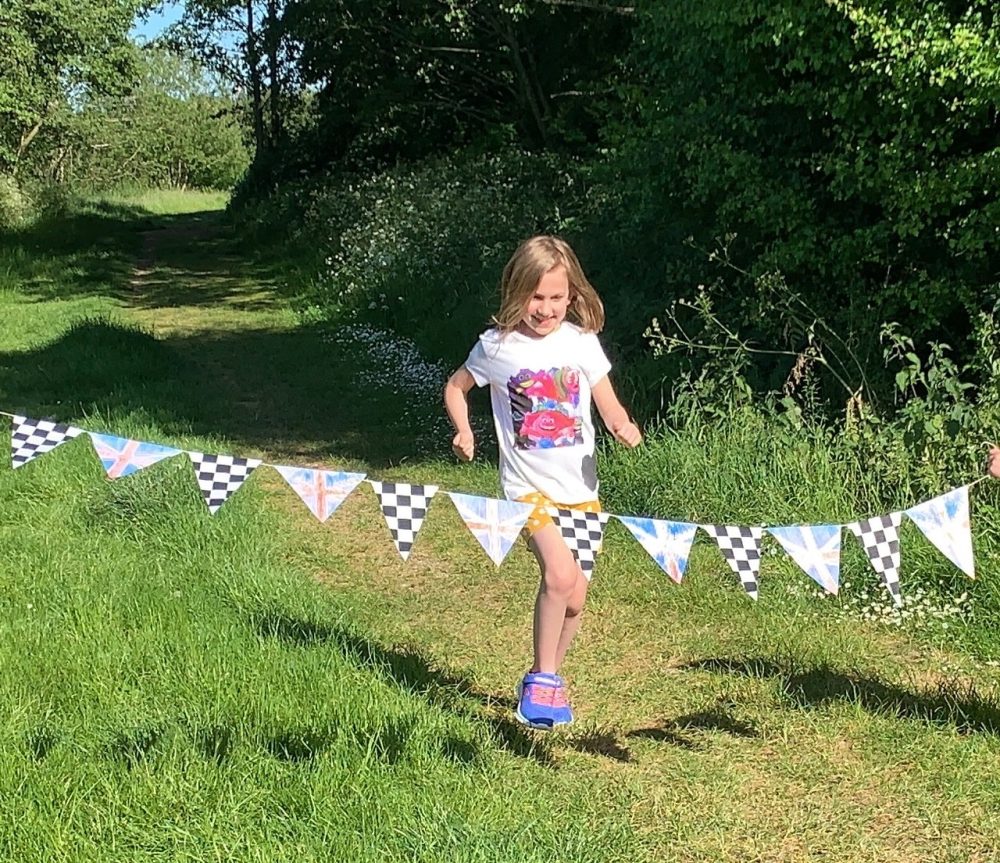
pixel 712 728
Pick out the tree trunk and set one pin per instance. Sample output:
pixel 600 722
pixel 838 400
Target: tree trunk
pixel 253 67
pixel 274 70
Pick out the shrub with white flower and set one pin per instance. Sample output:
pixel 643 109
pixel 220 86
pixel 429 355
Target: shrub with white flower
pixel 392 364
pixel 868 600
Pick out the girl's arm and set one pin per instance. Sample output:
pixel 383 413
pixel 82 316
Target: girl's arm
pixel 456 403
pixel 993 461
pixel 615 416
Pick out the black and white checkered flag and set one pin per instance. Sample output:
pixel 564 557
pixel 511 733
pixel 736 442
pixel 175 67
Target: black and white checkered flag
pixel 583 532
pixel 220 476
pixel 880 538
pixel 31 438
pixel 740 546
pixel 405 508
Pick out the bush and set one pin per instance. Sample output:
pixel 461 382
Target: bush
pixel 418 249
pixel 15 207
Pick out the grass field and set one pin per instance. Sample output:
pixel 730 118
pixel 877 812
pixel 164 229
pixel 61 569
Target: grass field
pixel 257 686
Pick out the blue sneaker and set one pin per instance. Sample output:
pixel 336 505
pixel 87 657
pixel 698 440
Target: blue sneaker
pixel 541 701
pixel 562 713
pixel 535 696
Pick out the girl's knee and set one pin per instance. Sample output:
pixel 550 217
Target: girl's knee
pixel 560 579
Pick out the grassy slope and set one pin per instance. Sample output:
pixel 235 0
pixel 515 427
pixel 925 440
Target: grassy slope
pixel 179 687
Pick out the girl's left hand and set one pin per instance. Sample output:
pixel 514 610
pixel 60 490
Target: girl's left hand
pixel 627 433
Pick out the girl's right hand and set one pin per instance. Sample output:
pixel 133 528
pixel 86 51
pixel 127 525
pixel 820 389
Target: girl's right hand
pixel 463 445
pixel 993 462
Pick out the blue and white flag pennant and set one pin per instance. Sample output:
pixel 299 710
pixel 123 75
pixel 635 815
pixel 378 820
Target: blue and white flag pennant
pixel 944 520
pixel 124 457
pixel 322 491
pixel 667 542
pixel 815 548
pixel 496 524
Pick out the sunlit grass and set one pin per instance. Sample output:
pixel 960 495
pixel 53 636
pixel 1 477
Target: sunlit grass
pixel 168 201
pixel 258 686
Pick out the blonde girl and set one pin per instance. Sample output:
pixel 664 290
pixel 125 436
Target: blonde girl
pixel 544 365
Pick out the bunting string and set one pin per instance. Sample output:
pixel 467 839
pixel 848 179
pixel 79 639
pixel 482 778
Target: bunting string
pixel 944 520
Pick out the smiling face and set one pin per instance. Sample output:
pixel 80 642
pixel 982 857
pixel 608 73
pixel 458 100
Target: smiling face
pixel 547 307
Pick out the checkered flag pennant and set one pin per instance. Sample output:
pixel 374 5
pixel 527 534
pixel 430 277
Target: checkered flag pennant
pixel 880 540
pixel 405 508
pixel 220 476
pixel 668 542
pixel 945 522
pixel 320 490
pixel 583 532
pixel 495 523
pixel 30 438
pixel 740 546
pixel 815 548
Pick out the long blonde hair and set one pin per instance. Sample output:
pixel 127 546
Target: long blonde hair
pixel 532 260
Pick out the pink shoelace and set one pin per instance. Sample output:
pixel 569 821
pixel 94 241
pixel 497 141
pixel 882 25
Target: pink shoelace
pixel 547 694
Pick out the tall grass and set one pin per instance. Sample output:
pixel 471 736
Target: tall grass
pixel 180 686
pixel 173 688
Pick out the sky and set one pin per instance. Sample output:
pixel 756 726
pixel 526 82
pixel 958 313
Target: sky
pixel 157 21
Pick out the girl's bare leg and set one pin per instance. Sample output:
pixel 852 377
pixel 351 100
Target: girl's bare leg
pixel 561 594
pixel 571 623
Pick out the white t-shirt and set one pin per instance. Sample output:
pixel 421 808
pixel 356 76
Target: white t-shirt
pixel 540 389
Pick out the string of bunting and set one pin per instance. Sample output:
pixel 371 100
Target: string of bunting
pixel 495 524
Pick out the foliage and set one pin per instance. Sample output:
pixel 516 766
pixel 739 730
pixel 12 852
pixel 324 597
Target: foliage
pixel 390 251
pixel 176 127
pixel 847 146
pixel 413 79
pixel 55 52
pixel 246 44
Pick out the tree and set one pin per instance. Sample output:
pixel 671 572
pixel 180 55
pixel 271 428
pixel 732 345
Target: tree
pixel 407 78
pixel 244 42
pixel 54 51
pixel 177 127
pixel 851 145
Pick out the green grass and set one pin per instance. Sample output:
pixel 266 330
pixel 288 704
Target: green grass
pixel 257 686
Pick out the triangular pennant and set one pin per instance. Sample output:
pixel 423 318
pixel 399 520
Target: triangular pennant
pixel 495 523
pixel 880 539
pixel 668 542
pixel 320 490
pixel 30 438
pixel 220 476
pixel 945 522
pixel 740 546
pixel 815 548
pixel 583 532
pixel 405 508
pixel 122 456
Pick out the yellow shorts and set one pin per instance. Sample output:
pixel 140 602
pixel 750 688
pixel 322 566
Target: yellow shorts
pixel 540 517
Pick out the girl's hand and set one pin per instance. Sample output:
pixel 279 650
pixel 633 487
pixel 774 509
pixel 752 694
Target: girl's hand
pixel 463 445
pixel 993 462
pixel 627 433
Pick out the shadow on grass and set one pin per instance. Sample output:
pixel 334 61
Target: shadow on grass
pixel 952 703
pixel 262 390
pixel 600 743
pixel 412 672
pixel 75 254
pixel 226 360
pixel 714 720
pixel 134 746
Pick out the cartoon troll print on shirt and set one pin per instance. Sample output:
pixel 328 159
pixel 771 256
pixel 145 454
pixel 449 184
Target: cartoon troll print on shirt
pixel 545 408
